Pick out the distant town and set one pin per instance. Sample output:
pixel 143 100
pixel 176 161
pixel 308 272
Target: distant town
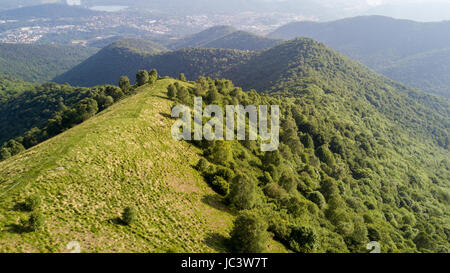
pixel 127 22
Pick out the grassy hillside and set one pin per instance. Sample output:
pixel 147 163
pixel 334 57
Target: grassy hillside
pixel 40 63
pixel 135 164
pixel 383 44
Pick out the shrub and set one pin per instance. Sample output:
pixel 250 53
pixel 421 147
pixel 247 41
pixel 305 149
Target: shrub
pixel 129 215
pixel 325 155
pixel 32 202
pixel 303 239
pixel 202 165
pixel 221 186
pixel 243 193
pixel 141 77
pixel 275 191
pixel 249 234
pixel 34 223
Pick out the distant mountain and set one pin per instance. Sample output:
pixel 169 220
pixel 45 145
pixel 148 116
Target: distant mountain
pixel 361 158
pixel 429 71
pixel 47 11
pixel 225 37
pixel 122 58
pixel 428 11
pixel 203 37
pixel 242 40
pixel 40 63
pixel 379 42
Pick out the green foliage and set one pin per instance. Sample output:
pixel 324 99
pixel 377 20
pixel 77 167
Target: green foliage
pixel 125 84
pixel 317 198
pixel 221 153
pixel 325 155
pixel 32 203
pixel 142 77
pixel 129 215
pixel 303 239
pixel 221 186
pixel 171 91
pixel 40 63
pixel 182 77
pixel 249 234
pixel 34 223
pixel 243 194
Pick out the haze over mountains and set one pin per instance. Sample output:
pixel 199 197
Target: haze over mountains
pixel 361 157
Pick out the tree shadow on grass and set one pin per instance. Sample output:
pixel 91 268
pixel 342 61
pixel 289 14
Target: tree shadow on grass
pixel 22 207
pixel 217 242
pixel 16 228
pixel 217 202
pixel 117 221
pixel 162 97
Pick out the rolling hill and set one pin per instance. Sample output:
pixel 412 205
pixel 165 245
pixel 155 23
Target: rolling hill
pixel 382 43
pixel 116 60
pixel 40 63
pixel 225 37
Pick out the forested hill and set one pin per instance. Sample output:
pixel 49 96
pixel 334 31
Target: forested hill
pixel 40 63
pixel 225 37
pixel 47 11
pixel 385 44
pixel 114 61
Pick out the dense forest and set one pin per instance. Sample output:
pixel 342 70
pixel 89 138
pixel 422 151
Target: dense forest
pixel 116 60
pixel 40 63
pixel 336 182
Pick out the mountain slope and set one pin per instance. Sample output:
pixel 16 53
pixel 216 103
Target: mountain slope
pixel 379 42
pixel 294 66
pixel 225 37
pixel 47 11
pixel 203 37
pixel 40 63
pixel 242 40
pixel 429 71
pixel 114 61
pixel 135 164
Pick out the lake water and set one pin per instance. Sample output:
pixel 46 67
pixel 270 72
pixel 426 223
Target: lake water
pixel 109 8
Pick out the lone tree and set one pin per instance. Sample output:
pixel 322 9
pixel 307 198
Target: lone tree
pixel 129 215
pixel 182 77
pixel 141 77
pixel 34 223
pixel 171 91
pixel 249 234
pixel 32 202
pixel 124 84
pixel 152 76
